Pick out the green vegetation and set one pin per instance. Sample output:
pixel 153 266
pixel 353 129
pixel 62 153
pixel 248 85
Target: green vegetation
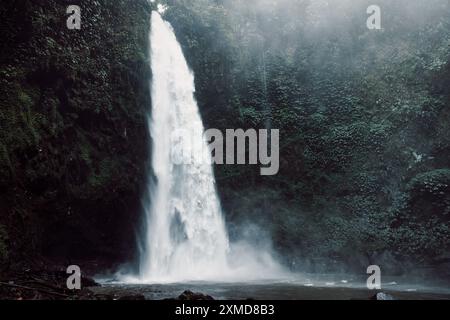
pixel 363 119
pixel 73 134
pixel 363 115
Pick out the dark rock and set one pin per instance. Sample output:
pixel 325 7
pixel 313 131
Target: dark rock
pixel 137 297
pixel 88 282
pixel 104 297
pixel 189 295
pixel 381 296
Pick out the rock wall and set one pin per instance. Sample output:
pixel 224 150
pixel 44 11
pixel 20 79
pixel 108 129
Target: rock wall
pixel 73 132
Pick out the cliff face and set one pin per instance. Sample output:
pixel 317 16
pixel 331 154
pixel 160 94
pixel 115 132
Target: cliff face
pixel 363 118
pixel 73 133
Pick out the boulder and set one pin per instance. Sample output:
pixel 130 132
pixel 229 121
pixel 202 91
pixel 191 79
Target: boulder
pixel 189 295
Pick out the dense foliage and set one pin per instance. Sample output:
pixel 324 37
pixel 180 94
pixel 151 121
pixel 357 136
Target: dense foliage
pixel 363 115
pixel 73 134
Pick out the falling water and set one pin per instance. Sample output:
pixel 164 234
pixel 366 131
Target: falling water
pixel 186 237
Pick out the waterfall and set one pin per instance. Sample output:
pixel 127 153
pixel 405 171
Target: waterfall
pixel 185 236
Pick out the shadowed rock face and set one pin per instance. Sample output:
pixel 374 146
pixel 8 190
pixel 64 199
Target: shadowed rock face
pixel 189 295
pixel 381 296
pixel 73 135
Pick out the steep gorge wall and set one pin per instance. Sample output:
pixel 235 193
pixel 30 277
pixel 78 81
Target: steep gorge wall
pixel 364 122
pixel 363 118
pixel 73 132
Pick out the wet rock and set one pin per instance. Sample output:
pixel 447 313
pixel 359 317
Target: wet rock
pixel 104 297
pixel 85 294
pixel 189 295
pixel 381 296
pixel 138 297
pixel 88 282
